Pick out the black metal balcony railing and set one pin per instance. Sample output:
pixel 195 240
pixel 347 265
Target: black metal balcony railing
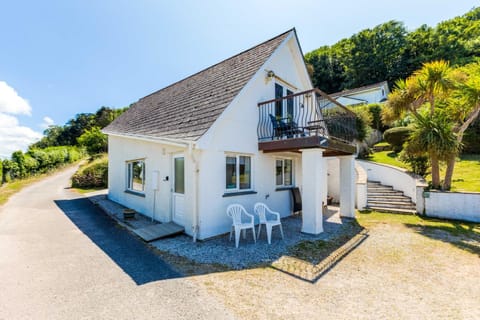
pixel 299 115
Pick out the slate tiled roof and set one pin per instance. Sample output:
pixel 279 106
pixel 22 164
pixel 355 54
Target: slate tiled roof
pixel 356 90
pixel 186 109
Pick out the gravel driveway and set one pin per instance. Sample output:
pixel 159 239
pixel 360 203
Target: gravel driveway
pixel 61 258
pixel 396 273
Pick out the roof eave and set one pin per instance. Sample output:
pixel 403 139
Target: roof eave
pixel 170 141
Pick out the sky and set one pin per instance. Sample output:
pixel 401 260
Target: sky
pixel 60 58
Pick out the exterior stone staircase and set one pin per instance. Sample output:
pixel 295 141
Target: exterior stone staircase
pixel 386 199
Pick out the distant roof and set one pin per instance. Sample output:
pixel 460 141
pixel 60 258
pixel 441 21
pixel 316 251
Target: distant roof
pixel 186 109
pixel 359 89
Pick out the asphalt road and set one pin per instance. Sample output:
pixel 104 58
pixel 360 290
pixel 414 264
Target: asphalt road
pixel 62 258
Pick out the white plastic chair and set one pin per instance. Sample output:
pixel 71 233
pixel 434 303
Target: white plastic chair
pixel 241 220
pixel 269 218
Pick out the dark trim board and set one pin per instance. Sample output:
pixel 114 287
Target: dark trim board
pixel 331 147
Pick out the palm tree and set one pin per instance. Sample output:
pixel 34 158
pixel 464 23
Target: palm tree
pixel 464 107
pixel 424 88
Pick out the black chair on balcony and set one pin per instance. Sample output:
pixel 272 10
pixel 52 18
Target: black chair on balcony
pixel 285 127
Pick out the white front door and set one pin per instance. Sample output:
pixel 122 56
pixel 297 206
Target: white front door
pixel 178 189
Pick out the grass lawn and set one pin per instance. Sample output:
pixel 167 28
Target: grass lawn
pixel 387 157
pixel 455 227
pixel 466 176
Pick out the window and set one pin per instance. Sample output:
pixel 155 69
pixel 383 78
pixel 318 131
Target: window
pixel 179 175
pixel 283 109
pixel 238 171
pixel 136 175
pixel 284 172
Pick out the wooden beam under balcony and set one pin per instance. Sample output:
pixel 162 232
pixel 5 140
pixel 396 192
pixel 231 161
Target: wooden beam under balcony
pixel 332 147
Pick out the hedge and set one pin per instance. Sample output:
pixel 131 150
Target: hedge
pixel 396 137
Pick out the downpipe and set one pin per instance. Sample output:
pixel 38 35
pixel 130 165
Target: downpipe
pixel 195 226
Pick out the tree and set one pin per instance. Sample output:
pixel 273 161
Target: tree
pixel 376 55
pixel 444 103
pixel 389 52
pixel 423 89
pixel 328 72
pixel 94 141
pixel 464 108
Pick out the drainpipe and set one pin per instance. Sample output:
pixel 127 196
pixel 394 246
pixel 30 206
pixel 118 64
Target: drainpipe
pixel 195 226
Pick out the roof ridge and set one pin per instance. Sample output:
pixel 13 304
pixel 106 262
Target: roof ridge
pixel 216 64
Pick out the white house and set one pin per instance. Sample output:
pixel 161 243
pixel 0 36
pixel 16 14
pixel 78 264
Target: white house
pixel 373 93
pixel 244 130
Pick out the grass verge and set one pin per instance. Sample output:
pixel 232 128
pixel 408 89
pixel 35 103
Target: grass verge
pixel 10 188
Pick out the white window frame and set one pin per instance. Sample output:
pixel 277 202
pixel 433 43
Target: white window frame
pixel 283 185
pixel 237 172
pixel 129 176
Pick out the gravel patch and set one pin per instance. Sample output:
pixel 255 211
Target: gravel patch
pixel 220 250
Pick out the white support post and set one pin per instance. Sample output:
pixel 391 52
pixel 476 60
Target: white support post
pixel 314 177
pixel 347 186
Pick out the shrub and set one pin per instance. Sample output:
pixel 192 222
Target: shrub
pixel 362 121
pixel 418 163
pixel 471 142
pixel 375 110
pixel 92 175
pixel 396 137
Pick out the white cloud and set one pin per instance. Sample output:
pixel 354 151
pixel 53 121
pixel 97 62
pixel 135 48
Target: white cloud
pixel 11 102
pixel 14 137
pixel 47 122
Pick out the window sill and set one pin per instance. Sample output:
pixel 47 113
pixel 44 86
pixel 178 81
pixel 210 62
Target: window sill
pixel 238 193
pixel 284 188
pixel 135 193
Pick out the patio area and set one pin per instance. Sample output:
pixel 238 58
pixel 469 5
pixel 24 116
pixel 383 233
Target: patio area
pixel 220 250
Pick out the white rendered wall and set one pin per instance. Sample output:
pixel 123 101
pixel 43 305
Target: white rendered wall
pixel 361 192
pixel 157 158
pixel 333 169
pixel 411 184
pixel 347 186
pixel 314 190
pixel 370 96
pixel 213 203
pixel 453 205
pixel 236 132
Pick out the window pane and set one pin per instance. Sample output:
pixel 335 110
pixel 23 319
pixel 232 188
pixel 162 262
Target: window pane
pixel 289 105
pixel 278 172
pixel 287 172
pixel 129 175
pixel 179 175
pixel 278 104
pixel 138 176
pixel 245 172
pixel 231 173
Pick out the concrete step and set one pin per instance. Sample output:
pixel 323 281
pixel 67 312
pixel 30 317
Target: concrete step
pixel 386 194
pixel 392 210
pixel 400 205
pixel 389 198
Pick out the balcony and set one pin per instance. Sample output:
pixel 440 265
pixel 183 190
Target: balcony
pixel 297 122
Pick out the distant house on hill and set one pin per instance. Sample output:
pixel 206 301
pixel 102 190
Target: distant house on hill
pixel 373 93
pixel 245 130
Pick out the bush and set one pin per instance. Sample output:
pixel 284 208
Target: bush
pixel 375 110
pixel 362 121
pixel 471 142
pixel 92 175
pixel 396 137
pixel 418 164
